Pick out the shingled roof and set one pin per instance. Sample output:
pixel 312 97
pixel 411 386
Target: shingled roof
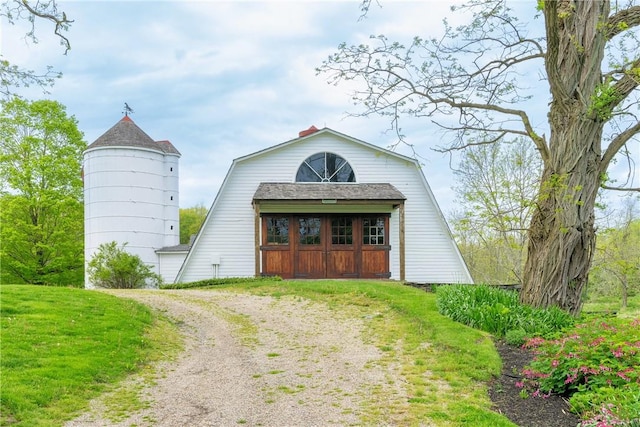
pixel 126 133
pixel 326 191
pixel 176 248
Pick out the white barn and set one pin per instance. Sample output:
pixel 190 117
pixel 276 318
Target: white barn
pixel 323 205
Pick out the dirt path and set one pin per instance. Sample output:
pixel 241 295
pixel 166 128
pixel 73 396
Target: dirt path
pixel 260 361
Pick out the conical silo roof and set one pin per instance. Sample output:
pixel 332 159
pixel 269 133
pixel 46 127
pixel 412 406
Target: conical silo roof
pixel 126 133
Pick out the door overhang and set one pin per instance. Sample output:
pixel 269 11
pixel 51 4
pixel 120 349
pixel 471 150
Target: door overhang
pixel 327 197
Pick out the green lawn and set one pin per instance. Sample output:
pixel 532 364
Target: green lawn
pixel 613 305
pixel 62 346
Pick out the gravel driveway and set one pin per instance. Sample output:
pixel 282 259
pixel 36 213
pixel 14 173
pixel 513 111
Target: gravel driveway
pixel 262 361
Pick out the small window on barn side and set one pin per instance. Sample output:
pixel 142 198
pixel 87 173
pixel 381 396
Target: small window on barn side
pixel 325 167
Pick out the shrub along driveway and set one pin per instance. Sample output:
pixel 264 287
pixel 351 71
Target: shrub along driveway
pixel 260 360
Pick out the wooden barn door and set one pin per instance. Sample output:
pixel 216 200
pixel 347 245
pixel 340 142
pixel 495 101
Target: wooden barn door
pixel 325 246
pixel 310 247
pixel 342 259
pixel 374 252
pixel 276 248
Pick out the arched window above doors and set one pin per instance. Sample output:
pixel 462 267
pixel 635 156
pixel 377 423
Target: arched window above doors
pixel 325 167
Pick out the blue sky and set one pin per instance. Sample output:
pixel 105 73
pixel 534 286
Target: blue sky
pixel 224 79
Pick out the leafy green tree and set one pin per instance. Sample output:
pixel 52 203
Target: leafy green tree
pixel 496 185
pixel 616 268
pixel 489 259
pixel 41 213
pixel 190 221
pixel 477 82
pixel 114 268
pixel 12 76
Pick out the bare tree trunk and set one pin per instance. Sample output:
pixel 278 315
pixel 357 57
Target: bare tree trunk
pixel 562 234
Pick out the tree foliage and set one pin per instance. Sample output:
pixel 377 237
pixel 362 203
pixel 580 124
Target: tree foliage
pixel 616 270
pixel 495 189
pixel 114 268
pixel 13 76
pixel 41 215
pixel 190 221
pixel 478 82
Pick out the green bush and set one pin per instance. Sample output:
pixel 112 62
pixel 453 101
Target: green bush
pixel 207 283
pixel 498 311
pixel 596 365
pixel 114 268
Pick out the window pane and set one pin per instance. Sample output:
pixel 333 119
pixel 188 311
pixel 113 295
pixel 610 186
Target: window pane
pixel 345 174
pixel 341 231
pixel 333 164
pixel 317 163
pixel 306 174
pixel 309 231
pixel 277 230
pixel 373 231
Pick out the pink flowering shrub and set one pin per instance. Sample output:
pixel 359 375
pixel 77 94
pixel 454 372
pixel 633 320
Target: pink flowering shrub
pixel 597 365
pixel 599 410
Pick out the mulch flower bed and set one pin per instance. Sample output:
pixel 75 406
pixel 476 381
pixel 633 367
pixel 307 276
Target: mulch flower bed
pixel 552 411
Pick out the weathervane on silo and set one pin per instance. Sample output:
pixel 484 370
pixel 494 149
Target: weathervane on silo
pixel 127 110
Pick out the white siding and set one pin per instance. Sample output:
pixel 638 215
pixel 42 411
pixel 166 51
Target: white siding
pixel 431 255
pixel 170 263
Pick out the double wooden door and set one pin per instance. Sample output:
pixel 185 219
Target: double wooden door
pixel 325 246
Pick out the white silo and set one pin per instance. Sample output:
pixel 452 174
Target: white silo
pixel 131 193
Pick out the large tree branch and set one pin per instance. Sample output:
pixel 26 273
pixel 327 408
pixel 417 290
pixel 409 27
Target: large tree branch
pixel 622 21
pixel 522 115
pixel 616 145
pixel 398 80
pixel 627 83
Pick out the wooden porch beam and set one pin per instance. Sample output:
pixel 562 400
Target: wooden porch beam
pixel 402 242
pixel 256 238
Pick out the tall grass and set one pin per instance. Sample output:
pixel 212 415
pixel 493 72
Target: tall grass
pixel 498 311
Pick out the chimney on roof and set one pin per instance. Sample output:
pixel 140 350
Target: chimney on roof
pixel 306 132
